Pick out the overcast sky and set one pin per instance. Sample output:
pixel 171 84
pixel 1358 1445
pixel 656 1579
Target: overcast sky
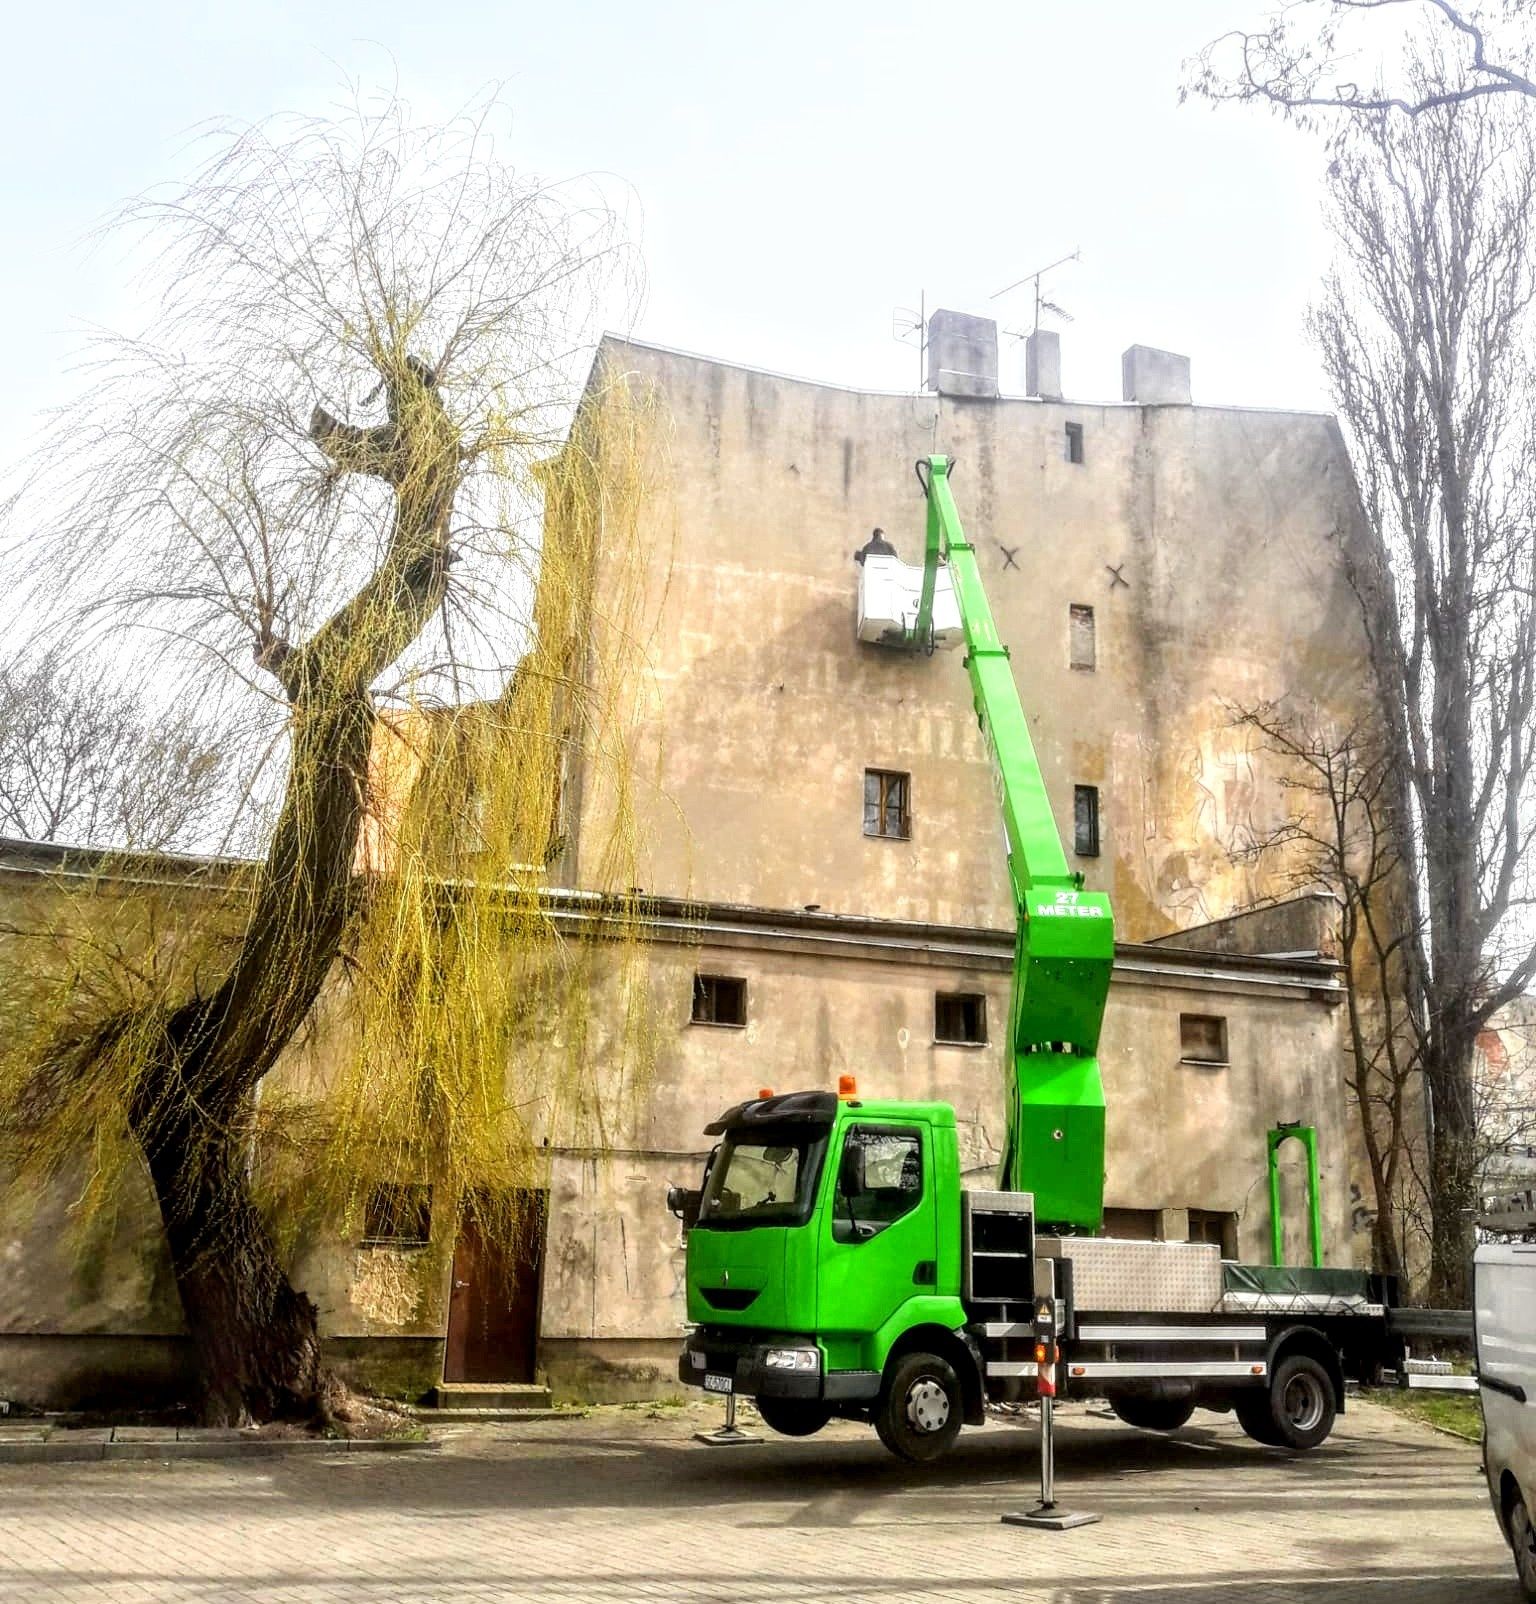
pixel 802 169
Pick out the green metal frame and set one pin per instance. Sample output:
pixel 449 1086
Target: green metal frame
pixel 1066 939
pixel 1307 1136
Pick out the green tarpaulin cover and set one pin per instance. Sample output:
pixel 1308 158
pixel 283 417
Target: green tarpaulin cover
pixel 1294 1278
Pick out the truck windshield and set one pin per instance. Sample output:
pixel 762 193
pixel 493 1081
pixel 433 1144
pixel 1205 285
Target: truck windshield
pixel 764 1177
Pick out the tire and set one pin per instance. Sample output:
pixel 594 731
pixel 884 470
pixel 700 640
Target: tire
pixel 1522 1541
pixel 1251 1406
pixel 920 1408
pixel 793 1417
pixel 1154 1414
pixel 1296 1410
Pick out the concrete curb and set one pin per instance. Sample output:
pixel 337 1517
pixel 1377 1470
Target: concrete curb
pixel 76 1446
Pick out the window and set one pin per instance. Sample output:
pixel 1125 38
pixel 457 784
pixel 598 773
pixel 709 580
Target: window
pixel 1082 649
pixel 1131 1225
pixel 887 804
pixel 1085 820
pixel 400 1216
pixel 1074 442
pixel 1203 1039
pixel 960 1016
pixel 763 1178
pixel 879 1179
pixel 1216 1226
pixel 719 1000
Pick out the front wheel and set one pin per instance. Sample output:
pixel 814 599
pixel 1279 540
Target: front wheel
pixel 920 1407
pixel 793 1417
pixel 1154 1414
pixel 1522 1539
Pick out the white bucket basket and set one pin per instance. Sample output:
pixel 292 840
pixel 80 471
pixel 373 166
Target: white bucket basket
pixel 889 593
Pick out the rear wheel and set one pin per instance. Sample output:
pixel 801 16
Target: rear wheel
pixel 1522 1539
pixel 1154 1414
pixel 1251 1406
pixel 1296 1410
pixel 794 1417
pixel 920 1408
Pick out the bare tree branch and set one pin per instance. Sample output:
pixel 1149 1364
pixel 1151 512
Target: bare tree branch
pixel 1307 56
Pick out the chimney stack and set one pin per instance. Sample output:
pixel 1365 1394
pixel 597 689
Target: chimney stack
pixel 1042 364
pixel 1154 378
pixel 962 354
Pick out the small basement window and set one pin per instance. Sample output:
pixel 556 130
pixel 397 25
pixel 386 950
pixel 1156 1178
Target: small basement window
pixel 1216 1226
pixel 1131 1225
pixel 1074 443
pixel 1203 1039
pixel 887 804
pixel 719 1000
pixel 1082 651
pixel 1085 820
pixel 960 1017
pixel 398 1216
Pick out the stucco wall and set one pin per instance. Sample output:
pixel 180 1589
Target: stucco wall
pixel 91 1316
pixel 1224 524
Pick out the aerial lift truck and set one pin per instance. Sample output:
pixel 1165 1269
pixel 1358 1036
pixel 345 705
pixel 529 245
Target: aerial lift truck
pixel 837 1268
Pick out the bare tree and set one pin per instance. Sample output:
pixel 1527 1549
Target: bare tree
pixel 1308 57
pixel 87 762
pixel 1342 832
pixel 1425 327
pixel 311 488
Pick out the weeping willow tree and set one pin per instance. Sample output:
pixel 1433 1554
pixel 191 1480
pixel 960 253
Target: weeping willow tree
pixel 337 493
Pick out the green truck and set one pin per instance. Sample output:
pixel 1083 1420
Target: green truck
pixel 836 1267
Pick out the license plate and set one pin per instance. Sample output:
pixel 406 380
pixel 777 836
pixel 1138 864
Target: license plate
pixel 719 1384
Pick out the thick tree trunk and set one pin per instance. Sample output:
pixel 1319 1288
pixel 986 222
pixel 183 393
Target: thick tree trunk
pixel 256 1339
pixel 1453 1174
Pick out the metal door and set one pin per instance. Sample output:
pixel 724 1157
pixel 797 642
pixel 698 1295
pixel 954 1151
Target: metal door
pixel 493 1307
pixel 880 1243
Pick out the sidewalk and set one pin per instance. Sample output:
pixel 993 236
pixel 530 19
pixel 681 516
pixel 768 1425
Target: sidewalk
pixel 27 1442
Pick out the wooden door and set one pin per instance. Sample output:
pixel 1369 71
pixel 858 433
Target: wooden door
pixel 493 1307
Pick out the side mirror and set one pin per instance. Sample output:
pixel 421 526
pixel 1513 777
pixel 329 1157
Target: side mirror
pixel 850 1171
pixel 685 1202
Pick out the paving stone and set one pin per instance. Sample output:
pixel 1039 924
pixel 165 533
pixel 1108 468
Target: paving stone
pixel 623 1508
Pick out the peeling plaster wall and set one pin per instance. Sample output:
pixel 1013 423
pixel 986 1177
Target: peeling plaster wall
pixel 1224 526
pixel 1179 1136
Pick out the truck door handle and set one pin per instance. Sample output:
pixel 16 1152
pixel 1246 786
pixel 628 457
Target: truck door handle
pixel 925 1273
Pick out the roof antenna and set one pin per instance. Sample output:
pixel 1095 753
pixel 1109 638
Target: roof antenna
pixel 911 328
pixel 1041 304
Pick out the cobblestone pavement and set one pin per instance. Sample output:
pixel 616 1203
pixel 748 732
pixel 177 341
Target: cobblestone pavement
pixel 623 1506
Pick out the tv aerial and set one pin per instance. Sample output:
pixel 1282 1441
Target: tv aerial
pixel 910 326
pixel 1042 304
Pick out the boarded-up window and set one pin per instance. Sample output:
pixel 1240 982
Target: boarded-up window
pixel 719 1000
pixel 1216 1226
pixel 959 1016
pixel 1085 820
pixel 1074 442
pixel 398 1215
pixel 887 804
pixel 1131 1225
pixel 1203 1039
pixel 1083 650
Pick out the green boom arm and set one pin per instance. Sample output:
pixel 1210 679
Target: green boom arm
pixel 1066 940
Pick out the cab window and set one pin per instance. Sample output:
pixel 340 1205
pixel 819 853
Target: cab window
pixel 879 1179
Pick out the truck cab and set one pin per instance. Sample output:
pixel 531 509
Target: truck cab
pixel 824 1269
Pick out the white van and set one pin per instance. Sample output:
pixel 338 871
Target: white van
pixel 1504 1301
